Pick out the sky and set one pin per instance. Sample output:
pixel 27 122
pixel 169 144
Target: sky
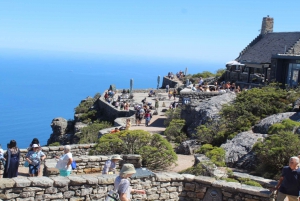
pixel 195 30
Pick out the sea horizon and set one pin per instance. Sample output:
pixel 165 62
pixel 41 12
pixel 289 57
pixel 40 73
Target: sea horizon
pixel 36 88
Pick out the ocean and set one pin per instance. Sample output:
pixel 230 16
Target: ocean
pixel 39 86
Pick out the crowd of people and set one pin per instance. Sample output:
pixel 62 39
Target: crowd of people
pixel 33 159
pixel 117 101
pixel 223 87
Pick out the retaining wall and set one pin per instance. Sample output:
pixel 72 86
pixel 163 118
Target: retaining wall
pixel 162 186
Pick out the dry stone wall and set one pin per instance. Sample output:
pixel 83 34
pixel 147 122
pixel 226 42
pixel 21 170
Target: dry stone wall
pixel 162 186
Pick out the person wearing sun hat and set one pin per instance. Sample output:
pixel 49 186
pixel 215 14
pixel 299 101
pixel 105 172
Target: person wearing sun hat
pixel 122 184
pixel 34 158
pixel 110 165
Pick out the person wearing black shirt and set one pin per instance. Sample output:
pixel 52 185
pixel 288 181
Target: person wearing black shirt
pixel 288 184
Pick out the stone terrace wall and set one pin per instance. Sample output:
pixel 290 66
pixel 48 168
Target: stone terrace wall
pixel 90 164
pixel 163 186
pixel 171 83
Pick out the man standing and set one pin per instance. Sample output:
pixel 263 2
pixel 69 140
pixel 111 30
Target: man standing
pixel 289 181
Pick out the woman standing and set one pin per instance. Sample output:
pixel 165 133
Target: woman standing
pixel 64 162
pixel 12 157
pixel 147 117
pixel 122 184
pixel 34 158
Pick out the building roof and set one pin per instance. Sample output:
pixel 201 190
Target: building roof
pixel 270 44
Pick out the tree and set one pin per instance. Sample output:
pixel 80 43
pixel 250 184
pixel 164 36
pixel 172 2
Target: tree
pixel 172 114
pixel 156 152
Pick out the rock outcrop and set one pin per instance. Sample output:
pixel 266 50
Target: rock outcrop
pixel 188 147
pixel 264 125
pixel 206 110
pixel 62 131
pixel 239 150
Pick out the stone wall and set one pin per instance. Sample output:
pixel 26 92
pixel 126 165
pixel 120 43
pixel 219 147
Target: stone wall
pixel 170 82
pixel 162 186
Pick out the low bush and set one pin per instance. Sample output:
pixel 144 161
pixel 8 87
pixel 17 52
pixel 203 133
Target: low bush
pixel 174 132
pixel 54 144
pixel 215 154
pixel 156 152
pixel 90 133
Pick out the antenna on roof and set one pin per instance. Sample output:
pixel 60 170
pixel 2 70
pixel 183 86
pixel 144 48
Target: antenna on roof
pixel 284 49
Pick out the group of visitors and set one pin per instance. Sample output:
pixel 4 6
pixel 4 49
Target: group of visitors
pixel 170 75
pixel 143 112
pixel 33 159
pixel 116 101
pixel 223 87
pixel 172 94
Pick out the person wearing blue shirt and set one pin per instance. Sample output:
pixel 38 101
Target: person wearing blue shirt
pixel 289 182
pixel 34 158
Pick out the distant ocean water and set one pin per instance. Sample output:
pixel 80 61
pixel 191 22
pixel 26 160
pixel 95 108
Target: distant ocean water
pixel 35 87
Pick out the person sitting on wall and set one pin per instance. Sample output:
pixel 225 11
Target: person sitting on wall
pixel 151 93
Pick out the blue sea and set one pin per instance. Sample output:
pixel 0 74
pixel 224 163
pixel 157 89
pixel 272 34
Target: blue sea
pixel 36 87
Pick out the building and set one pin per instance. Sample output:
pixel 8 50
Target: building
pixel 270 57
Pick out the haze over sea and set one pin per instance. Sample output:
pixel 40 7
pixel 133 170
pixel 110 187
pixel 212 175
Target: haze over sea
pixel 39 86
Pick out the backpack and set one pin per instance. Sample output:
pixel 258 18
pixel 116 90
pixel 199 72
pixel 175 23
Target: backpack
pixel 73 165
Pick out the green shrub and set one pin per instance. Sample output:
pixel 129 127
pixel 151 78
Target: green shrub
pixel 249 182
pixel 174 132
pixel 230 180
pixel 220 72
pixel 89 134
pixel 156 152
pixel 274 152
pixel 54 144
pixel 172 114
pixel 286 125
pixel 195 170
pixel 215 154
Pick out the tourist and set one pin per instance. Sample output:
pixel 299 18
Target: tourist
pixel 128 124
pixel 148 116
pixel 138 116
pixel 156 104
pixel 34 158
pixel 201 81
pixel 126 106
pixel 64 162
pixel 170 94
pixel 2 159
pixel 12 158
pixel 288 186
pixel 34 141
pixel 122 184
pixel 167 88
pixel 174 94
pixel 110 165
pixel 116 130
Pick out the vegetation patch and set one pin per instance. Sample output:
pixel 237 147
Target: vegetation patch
pixel 156 152
pixel 215 154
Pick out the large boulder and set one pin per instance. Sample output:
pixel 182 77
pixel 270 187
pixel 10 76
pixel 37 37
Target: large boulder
pixel 239 152
pixel 188 147
pixel 62 131
pixel 206 110
pixel 264 125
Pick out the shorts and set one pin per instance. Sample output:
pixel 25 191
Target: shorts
pixel 64 173
pixel 34 169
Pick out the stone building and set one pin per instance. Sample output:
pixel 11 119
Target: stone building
pixel 271 56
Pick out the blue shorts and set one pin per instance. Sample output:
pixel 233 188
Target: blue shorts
pixel 34 169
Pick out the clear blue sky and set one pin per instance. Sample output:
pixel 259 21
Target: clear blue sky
pixel 197 30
